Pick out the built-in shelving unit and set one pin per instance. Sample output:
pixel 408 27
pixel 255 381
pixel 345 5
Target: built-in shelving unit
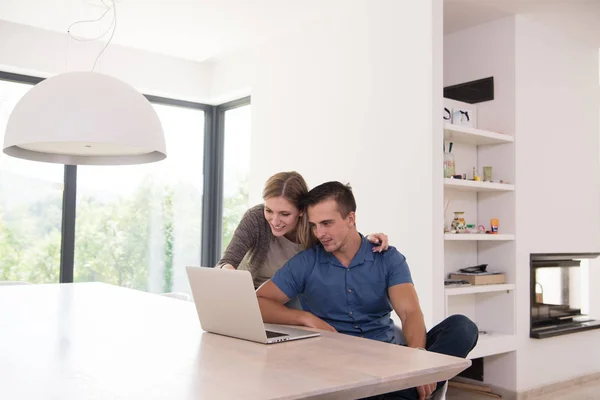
pixel 474 136
pixel 474 289
pixel 493 343
pixel 478 236
pixel 491 307
pixel 477 186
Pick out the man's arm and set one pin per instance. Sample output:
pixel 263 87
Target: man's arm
pixel 406 304
pixel 271 300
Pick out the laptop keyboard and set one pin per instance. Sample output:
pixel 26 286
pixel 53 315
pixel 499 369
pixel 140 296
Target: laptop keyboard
pixel 271 334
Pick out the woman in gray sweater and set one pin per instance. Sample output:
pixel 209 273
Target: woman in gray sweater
pixel 270 234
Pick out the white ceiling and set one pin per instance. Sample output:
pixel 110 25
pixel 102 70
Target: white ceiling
pixel 459 15
pixel 201 29
pixel 191 29
pixel 463 14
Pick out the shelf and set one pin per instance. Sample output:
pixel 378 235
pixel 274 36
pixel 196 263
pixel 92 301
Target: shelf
pixel 476 186
pixel 456 291
pixel 474 136
pixel 493 343
pixel 477 236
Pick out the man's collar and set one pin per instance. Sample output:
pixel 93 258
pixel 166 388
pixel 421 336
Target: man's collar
pixel 364 253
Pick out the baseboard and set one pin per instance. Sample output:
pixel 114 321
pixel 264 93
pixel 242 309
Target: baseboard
pixel 536 392
pixel 505 393
pixel 555 387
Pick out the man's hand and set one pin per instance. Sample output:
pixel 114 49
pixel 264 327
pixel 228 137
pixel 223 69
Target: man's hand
pixel 227 266
pixel 426 390
pixel 312 321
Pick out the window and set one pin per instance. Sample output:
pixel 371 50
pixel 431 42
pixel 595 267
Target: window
pixel 30 208
pixel 139 226
pixel 237 129
pixel 136 226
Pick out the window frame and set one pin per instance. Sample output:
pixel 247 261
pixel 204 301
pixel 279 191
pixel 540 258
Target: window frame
pixel 217 220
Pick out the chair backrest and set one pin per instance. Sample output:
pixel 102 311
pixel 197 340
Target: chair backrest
pixel 10 283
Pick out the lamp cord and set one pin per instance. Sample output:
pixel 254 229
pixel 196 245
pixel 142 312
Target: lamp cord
pixel 113 26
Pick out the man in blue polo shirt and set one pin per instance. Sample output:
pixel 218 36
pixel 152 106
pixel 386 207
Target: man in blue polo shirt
pixel 345 287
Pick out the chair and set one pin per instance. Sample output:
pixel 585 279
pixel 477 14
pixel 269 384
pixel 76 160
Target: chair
pixel 441 393
pixel 13 283
pixel 178 296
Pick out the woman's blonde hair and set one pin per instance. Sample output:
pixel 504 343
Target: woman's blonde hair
pixel 292 186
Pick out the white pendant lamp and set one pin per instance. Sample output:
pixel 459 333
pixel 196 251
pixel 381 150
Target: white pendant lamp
pixel 85 118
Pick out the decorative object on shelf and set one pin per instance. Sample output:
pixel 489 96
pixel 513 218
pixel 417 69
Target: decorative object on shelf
pixel 446 205
pixel 476 177
pixel 494 225
pixel 447 114
pixel 448 110
pixel 459 224
pixel 476 269
pixel 463 116
pixel 472 228
pixel 449 166
pixel 487 174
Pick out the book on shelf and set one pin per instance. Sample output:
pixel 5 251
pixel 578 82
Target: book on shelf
pixel 484 278
pixel 450 283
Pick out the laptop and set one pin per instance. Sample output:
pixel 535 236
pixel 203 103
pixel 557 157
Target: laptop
pixel 227 305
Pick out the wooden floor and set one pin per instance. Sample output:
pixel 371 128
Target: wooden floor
pixel 587 391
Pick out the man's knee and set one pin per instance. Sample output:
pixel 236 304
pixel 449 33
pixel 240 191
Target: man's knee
pixel 464 327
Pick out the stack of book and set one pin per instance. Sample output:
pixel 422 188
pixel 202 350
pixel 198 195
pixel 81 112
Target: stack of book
pixel 480 278
pixel 450 283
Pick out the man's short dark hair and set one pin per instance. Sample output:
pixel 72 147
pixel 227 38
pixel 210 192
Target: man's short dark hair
pixel 342 194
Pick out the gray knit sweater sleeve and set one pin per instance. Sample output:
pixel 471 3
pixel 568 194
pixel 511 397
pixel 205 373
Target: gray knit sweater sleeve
pixel 252 236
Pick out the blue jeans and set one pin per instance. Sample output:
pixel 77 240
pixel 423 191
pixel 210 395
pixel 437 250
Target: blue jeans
pixel 455 336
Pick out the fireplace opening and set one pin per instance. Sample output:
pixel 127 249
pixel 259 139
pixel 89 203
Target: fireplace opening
pixel 559 294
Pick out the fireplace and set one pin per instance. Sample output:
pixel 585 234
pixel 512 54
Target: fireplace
pixel 558 289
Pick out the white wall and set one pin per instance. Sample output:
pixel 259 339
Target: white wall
pixel 28 50
pixel 233 75
pixel 558 176
pixel 351 99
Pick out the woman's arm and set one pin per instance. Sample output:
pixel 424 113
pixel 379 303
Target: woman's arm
pixel 245 239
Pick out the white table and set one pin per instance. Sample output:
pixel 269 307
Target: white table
pixel 97 341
